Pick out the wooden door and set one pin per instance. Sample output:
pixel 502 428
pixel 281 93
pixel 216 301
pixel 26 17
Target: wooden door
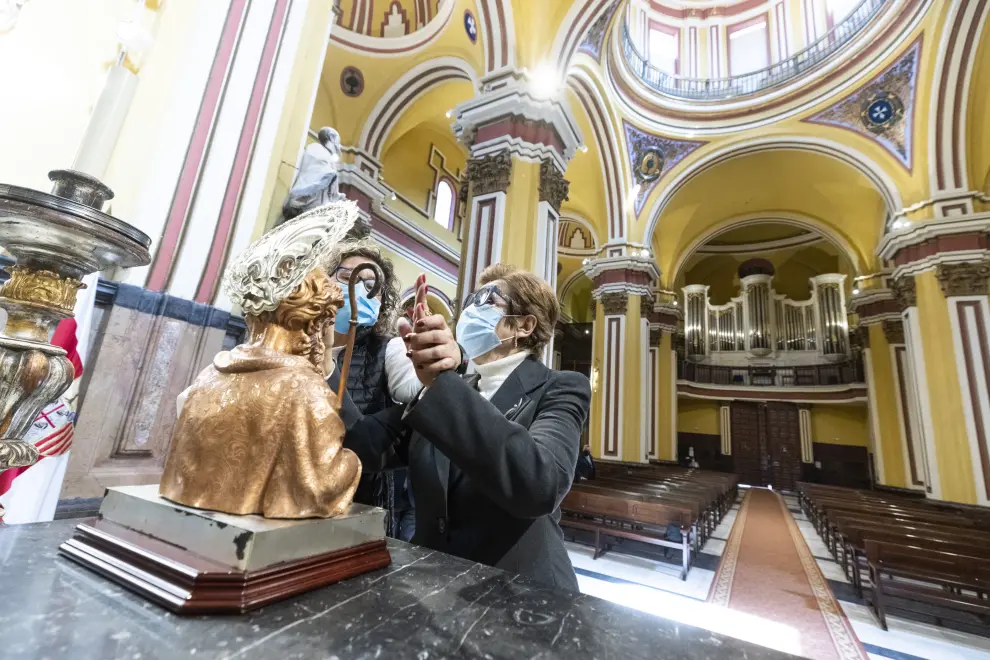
pixel 783 439
pixel 746 454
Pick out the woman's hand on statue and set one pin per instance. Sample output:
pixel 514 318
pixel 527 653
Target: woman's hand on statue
pixel 432 348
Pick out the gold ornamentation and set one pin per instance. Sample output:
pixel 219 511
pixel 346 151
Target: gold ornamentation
pixel 16 453
pixel 905 291
pixel 964 279
pixel 42 287
pixel 593 306
pixel 614 304
pixel 553 186
pixel 489 174
pixel 259 431
pixel 894 331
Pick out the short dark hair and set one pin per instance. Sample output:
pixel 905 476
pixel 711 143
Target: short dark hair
pixel 531 296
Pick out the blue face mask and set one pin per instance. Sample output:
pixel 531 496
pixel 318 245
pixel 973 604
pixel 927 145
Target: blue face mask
pixel 368 309
pixel 476 330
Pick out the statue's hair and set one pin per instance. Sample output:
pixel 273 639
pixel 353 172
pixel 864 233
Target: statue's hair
pixel 308 310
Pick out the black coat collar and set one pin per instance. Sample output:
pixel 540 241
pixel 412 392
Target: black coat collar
pixel 528 377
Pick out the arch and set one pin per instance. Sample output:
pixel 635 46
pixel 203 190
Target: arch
pixel 499 34
pixel 403 92
pixel 881 180
pixel 567 289
pixel 581 224
pixel 581 16
pixel 794 219
pixel 404 45
pixel 445 306
pixel 950 93
pixel 610 147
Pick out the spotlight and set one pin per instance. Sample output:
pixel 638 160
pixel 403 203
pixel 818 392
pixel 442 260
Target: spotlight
pixel 855 292
pixel 447 114
pixel 393 196
pixel 587 332
pixel 675 303
pixel 584 148
pixel 544 81
pixel 585 261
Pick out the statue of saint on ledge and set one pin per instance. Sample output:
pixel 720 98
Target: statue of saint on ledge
pixel 318 182
pixel 258 431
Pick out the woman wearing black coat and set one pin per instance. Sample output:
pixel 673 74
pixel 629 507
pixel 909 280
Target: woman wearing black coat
pixel 491 455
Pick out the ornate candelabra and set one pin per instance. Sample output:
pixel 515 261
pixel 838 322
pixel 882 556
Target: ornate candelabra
pixel 56 239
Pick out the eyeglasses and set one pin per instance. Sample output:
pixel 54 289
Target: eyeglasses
pixel 343 276
pixel 488 295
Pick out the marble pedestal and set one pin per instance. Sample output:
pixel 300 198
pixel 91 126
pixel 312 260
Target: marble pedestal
pixel 193 562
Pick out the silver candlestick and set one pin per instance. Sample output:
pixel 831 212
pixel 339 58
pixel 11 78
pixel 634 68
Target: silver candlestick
pixel 56 239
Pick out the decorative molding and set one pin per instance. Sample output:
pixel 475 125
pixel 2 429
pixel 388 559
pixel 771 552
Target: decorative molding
pixel 923 245
pixel 614 304
pixel 507 115
pixel 593 306
pixel 627 274
pixel 594 39
pixel 882 110
pixel 864 336
pixel 905 291
pixel 894 332
pixel 651 157
pixel 489 174
pixel 553 186
pixel 964 279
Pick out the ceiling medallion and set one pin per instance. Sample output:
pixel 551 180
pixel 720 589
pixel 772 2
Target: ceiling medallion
pixel 881 111
pixel 649 165
pixel 471 26
pixel 351 81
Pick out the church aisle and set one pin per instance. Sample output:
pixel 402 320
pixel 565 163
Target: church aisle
pixel 638 578
pixel 767 571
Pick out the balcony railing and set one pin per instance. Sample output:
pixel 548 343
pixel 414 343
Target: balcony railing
pixel 819 375
pixel 710 89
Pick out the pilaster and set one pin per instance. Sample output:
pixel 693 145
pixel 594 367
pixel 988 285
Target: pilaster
pixel 626 364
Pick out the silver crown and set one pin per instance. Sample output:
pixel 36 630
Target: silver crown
pixel 262 276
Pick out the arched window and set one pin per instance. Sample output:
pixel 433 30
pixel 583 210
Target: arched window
pixel 443 207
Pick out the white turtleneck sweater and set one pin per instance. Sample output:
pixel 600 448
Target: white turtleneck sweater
pixel 495 373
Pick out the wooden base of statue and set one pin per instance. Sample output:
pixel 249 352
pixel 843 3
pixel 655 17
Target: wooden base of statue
pixel 210 563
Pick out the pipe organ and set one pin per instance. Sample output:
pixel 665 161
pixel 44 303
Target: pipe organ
pixel 761 323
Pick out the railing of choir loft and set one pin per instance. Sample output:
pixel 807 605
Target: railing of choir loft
pixel 709 89
pixel 817 375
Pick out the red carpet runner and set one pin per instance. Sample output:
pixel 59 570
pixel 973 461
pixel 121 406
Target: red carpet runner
pixel 768 572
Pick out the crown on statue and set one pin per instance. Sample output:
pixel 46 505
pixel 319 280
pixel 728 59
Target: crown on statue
pixel 262 276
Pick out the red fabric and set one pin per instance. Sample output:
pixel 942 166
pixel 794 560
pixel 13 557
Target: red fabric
pixel 7 478
pixel 65 337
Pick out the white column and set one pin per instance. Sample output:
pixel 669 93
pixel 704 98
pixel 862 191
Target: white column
pixel 807 442
pixel 970 318
pixel 725 428
pixel 920 401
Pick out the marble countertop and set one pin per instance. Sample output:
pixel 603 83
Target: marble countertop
pixel 425 605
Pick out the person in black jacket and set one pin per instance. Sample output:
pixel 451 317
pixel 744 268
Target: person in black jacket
pixel 585 465
pixel 491 455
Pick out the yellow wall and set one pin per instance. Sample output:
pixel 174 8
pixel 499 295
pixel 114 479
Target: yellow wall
pixel 889 444
pixel 697 416
pixel 521 206
pixel 406 273
pixel 667 404
pixel 632 382
pixel 840 425
pixel 944 393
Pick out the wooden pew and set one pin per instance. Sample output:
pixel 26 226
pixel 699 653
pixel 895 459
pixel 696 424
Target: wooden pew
pixel 624 516
pixel 954 582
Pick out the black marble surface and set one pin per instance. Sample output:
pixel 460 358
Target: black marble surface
pixel 426 605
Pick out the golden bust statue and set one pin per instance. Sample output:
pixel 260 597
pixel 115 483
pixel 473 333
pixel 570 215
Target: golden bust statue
pixel 258 431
